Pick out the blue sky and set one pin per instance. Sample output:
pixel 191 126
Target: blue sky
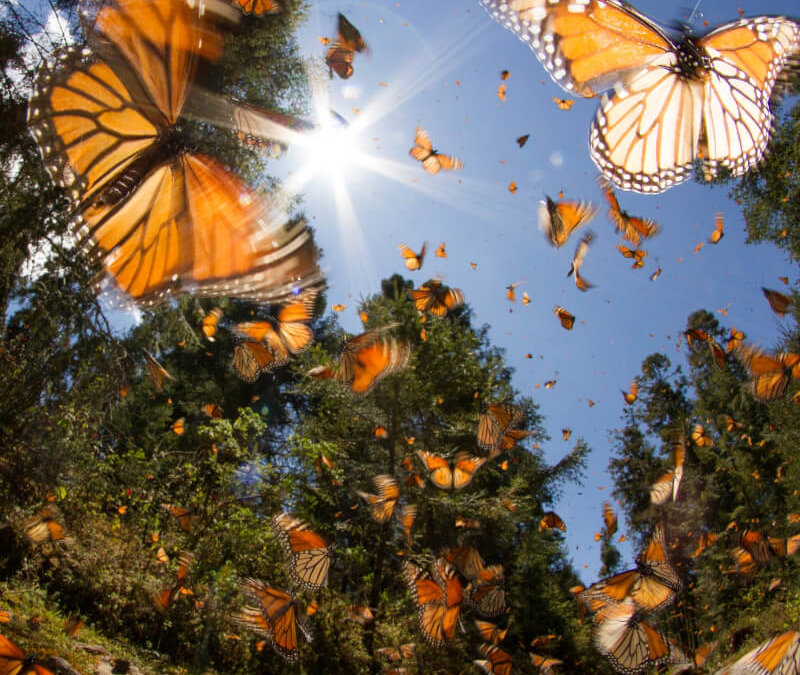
pixel 441 66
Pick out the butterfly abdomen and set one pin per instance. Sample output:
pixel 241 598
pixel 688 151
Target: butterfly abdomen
pixel 131 177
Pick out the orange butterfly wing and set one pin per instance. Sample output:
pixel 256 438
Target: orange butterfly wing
pixel 258 7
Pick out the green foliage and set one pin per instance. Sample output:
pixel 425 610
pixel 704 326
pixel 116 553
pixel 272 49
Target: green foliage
pixel 770 195
pixel 744 479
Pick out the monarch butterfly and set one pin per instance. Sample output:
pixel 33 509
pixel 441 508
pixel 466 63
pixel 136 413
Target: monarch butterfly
pixel 632 228
pixel 485 592
pixel 564 103
pixel 784 547
pixel 406 517
pixel 434 298
pixel 432 161
pixel 718 86
pixel 163 599
pixel 382 505
pixel 162 219
pixel 73 625
pixel 655 274
pixel 777 655
pixel 441 252
pixel 778 302
pixel 495 431
pixel 770 375
pixel 558 220
pixel 179 426
pixel 567 320
pixel 609 519
pixel 577 262
pixel 210 323
pixel 653 585
pixel 565 434
pixel 497 662
pixel 14 662
pixel 361 614
pixel 212 410
pixel 544 663
pixel 43 526
pixel 275 616
pixel 630 396
pixel 251 359
pixel 491 632
pixel 340 61
pixel 522 140
pixel 184 516
pixel 718 233
pixel 398 653
pixel 756 545
pixel 744 563
pixel 510 295
pixel 285 334
pixel 413 261
pixel 550 521
pixel 638 255
pixel 156 371
pixel 456 475
pixel 258 7
pixel 438 598
pixel 467 523
pixel 465 559
pixel 630 644
pixel 308 556
pixel 349 36
pixel 366 359
pixel 668 483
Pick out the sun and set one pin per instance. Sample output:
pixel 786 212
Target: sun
pixel 332 149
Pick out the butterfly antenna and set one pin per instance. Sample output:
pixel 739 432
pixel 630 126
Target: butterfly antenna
pixel 694 11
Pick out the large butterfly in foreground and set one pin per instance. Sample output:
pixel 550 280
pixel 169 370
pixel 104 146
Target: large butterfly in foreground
pixel 366 359
pixel 675 100
pixel 274 615
pixel 432 161
pixel 14 662
pixel 162 219
pixel 308 556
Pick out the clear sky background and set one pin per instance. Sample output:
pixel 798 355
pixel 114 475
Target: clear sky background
pixel 441 65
